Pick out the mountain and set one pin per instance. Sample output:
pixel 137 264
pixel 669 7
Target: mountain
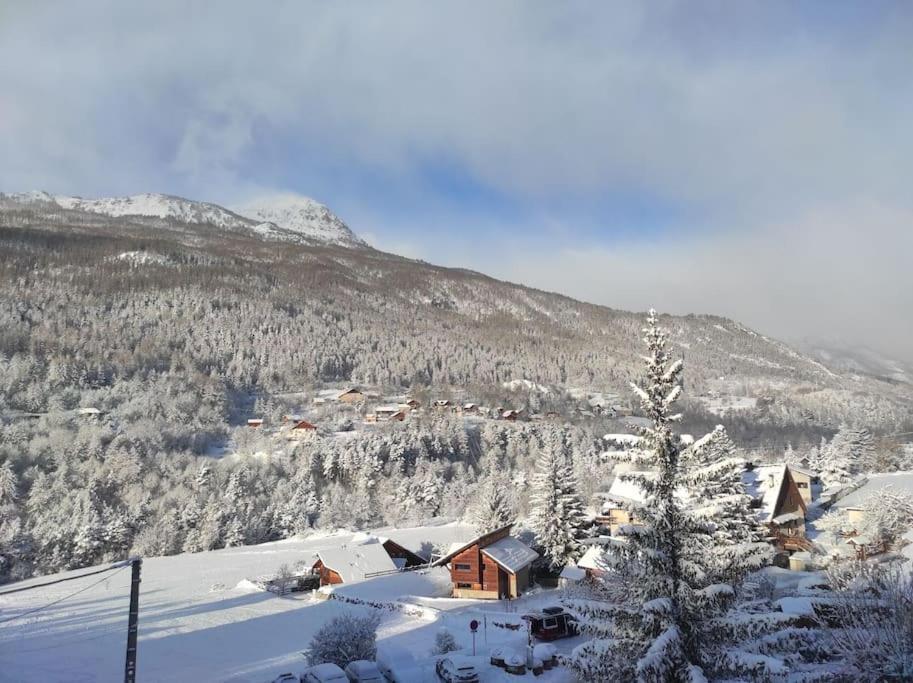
pixel 226 298
pixel 857 359
pixel 303 216
pixel 282 218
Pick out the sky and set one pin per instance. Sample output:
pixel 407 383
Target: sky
pixel 749 159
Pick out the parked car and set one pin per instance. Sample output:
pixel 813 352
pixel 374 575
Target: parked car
pixel 455 669
pixel 396 664
pixel 552 623
pixel 363 671
pixel 286 678
pixel 324 673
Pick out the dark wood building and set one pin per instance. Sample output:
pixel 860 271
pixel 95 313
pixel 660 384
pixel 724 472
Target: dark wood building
pixel 493 566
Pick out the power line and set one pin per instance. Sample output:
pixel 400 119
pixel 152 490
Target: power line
pixel 65 597
pixel 119 565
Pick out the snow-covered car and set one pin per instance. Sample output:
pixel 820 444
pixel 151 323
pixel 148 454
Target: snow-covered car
pixel 396 664
pixel 456 669
pixel 286 678
pixel 363 671
pixel 325 673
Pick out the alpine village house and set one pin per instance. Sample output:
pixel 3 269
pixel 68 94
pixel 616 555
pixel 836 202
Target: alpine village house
pixel 492 566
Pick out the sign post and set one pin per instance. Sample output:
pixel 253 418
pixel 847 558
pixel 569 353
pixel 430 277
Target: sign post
pixel 474 626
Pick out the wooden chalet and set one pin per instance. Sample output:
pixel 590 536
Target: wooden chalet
pixel 255 423
pixel 350 396
pixel 353 562
pixel 493 566
pixel 402 557
pixel 780 505
pixel 301 429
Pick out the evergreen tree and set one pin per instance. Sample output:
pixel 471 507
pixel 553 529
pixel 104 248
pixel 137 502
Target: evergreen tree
pixel 557 510
pixel 492 507
pixel 661 613
pixel 711 475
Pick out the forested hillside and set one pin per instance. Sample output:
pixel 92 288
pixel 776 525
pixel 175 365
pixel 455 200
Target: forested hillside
pixel 176 332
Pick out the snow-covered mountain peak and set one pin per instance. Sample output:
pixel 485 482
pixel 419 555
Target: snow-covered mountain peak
pixel 301 215
pixel 287 218
pixel 158 206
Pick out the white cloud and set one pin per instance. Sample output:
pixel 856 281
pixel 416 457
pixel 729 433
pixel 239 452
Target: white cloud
pixel 761 122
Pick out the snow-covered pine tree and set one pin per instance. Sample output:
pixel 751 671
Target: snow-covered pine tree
pixel 557 511
pixel 711 477
pixel 492 506
pixel 850 453
pixel 659 614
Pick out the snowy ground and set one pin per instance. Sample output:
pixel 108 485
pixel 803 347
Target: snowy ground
pixel 200 620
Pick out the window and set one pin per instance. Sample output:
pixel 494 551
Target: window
pixel 802 484
pixel 464 585
pixel 462 567
pixel 551 622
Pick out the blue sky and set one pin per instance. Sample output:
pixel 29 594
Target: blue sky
pixel 750 159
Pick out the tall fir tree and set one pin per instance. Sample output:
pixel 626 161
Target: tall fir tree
pixel 492 506
pixel 557 510
pixel 661 614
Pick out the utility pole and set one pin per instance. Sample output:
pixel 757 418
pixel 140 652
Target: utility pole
pixel 136 564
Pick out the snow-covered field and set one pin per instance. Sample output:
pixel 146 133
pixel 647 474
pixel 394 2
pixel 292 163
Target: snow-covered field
pixel 202 620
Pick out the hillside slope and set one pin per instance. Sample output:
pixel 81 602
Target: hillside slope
pixel 191 294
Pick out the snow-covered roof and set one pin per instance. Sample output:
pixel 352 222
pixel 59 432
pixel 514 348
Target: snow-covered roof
pixel 592 558
pixel 573 573
pixel 626 490
pixel 764 482
pixel 900 482
pixel 788 517
pixel 511 554
pixel 386 409
pixel 352 562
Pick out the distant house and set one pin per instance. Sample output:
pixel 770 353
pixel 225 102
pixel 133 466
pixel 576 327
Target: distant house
pixel 301 429
pixel 255 423
pixel 493 566
pixel 780 504
pixel 617 508
pixel 470 409
pixel 592 561
pixel 441 404
pixel 510 415
pixel 353 562
pixel 88 412
pixel 350 396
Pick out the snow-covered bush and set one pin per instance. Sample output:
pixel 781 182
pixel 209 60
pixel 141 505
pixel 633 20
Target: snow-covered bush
pixel 444 642
pixel 345 639
pixel 874 613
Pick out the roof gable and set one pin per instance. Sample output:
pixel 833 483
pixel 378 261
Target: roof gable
pixel 482 541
